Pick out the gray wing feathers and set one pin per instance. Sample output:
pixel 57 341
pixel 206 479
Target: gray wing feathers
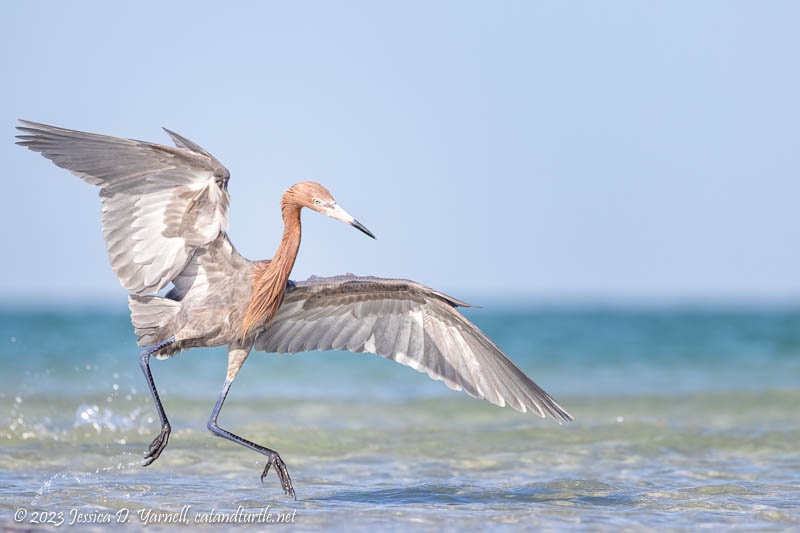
pixel 182 142
pixel 159 204
pixel 408 323
pixel 149 314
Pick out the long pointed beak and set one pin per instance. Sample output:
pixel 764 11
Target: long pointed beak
pixel 340 214
pixel 360 227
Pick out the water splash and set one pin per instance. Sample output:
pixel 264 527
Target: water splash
pixel 106 419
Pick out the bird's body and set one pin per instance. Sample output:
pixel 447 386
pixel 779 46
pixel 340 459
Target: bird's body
pixel 206 306
pixel 165 215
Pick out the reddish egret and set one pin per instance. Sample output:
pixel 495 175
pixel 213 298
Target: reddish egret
pixel 165 216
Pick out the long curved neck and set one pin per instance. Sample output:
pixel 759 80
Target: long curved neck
pixel 269 280
pixel 290 241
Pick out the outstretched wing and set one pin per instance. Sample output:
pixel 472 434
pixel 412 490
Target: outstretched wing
pixel 408 323
pixel 159 203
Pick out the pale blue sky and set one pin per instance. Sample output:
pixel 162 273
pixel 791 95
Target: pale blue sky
pixel 598 149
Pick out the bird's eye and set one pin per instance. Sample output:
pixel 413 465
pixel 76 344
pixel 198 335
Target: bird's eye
pixel 317 201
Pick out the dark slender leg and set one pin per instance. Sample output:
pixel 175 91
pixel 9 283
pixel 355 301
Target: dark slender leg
pixel 160 442
pixel 272 456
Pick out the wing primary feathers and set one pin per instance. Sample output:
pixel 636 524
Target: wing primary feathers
pixel 165 203
pixel 406 322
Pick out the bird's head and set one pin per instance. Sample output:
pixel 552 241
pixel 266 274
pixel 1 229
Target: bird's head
pixel 314 196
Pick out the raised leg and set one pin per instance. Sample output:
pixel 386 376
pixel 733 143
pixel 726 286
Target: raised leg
pixel 235 360
pixel 160 442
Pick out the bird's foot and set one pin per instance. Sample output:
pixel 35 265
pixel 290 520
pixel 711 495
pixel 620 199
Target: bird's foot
pixel 157 446
pixel 283 473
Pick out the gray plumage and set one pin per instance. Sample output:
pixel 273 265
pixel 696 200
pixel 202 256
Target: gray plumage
pixel 408 323
pixel 159 204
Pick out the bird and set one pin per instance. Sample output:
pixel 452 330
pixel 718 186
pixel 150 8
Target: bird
pixel 165 221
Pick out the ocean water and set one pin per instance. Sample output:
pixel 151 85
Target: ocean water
pixel 685 418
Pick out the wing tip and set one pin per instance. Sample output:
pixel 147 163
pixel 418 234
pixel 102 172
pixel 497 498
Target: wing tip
pixel 37 127
pixel 183 143
pixel 455 302
pixel 38 131
pixel 561 416
pixel 550 407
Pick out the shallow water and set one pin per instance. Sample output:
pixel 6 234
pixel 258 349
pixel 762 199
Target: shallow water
pixel 685 418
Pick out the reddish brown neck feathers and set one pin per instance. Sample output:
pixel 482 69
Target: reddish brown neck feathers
pixel 269 280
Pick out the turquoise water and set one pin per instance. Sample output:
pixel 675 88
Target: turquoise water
pixel 684 418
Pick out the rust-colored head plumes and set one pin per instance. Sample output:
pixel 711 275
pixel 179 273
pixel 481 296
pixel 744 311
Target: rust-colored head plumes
pixel 308 194
pixel 269 279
